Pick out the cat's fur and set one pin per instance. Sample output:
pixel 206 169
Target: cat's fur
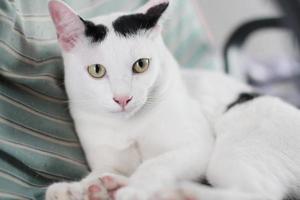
pixel 177 127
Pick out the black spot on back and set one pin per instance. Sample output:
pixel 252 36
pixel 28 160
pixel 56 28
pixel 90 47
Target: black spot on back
pixel 130 24
pixel 243 98
pixel 204 181
pixel 96 32
pixel 292 196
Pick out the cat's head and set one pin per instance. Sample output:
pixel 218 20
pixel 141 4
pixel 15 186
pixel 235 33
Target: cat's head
pixel 113 62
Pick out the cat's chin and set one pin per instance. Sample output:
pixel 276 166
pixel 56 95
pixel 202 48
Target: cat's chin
pixel 123 111
pixel 128 112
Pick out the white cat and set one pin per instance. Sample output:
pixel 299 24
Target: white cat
pixel 148 127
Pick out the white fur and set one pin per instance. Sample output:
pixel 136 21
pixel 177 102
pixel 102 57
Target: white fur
pixel 256 155
pixel 168 131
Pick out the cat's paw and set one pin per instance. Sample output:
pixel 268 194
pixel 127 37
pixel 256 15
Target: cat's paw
pixel 131 193
pixel 64 191
pixel 105 187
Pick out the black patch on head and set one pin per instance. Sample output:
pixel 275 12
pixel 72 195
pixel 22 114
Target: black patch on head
pixel 243 98
pixel 96 32
pixel 130 24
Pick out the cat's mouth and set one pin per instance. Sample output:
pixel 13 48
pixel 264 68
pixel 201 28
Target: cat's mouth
pixel 124 110
pixel 129 110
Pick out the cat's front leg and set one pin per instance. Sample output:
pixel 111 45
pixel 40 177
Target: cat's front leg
pixel 186 163
pixel 105 179
pixel 94 187
pixel 193 191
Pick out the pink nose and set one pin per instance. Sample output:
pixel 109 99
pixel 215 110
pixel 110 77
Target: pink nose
pixel 123 101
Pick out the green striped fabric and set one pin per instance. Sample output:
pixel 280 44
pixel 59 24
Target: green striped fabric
pixel 38 144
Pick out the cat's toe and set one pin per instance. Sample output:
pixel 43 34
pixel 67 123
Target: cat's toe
pixel 95 190
pixel 64 191
pixel 112 182
pixel 105 187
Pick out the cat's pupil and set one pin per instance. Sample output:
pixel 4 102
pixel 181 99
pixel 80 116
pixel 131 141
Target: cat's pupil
pixel 141 64
pixel 97 69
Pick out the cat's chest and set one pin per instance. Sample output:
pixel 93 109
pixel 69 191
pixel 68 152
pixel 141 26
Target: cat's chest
pixel 142 141
pixel 136 141
pixel 164 135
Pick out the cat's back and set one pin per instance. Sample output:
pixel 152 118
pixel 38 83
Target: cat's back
pixel 212 89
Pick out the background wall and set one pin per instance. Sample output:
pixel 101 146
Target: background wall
pixel 224 16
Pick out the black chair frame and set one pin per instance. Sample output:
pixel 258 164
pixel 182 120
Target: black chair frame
pixel 239 37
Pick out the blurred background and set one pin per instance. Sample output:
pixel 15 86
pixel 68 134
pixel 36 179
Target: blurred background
pixel 257 37
pixel 225 16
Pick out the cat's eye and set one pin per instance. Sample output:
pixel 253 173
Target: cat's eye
pixel 141 65
pixel 97 71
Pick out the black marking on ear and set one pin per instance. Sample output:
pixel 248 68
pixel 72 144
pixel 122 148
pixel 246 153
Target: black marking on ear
pixel 130 24
pixel 243 98
pixel 96 32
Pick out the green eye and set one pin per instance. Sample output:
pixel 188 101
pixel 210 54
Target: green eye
pixel 141 65
pixel 97 71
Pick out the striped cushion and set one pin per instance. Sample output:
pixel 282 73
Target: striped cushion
pixel 38 144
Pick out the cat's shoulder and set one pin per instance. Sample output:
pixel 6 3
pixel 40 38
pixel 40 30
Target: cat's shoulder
pixel 213 82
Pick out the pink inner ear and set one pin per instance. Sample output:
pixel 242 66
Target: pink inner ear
pixel 68 25
pixel 67 43
pixel 59 11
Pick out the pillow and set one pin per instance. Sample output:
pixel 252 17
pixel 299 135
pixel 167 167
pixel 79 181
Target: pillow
pixel 38 144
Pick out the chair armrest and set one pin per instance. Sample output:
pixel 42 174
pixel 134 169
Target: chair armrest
pixel 238 38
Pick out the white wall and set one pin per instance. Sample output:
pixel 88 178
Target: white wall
pixel 224 16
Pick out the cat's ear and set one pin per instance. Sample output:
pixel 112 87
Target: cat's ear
pixel 155 7
pixel 155 10
pixel 68 24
